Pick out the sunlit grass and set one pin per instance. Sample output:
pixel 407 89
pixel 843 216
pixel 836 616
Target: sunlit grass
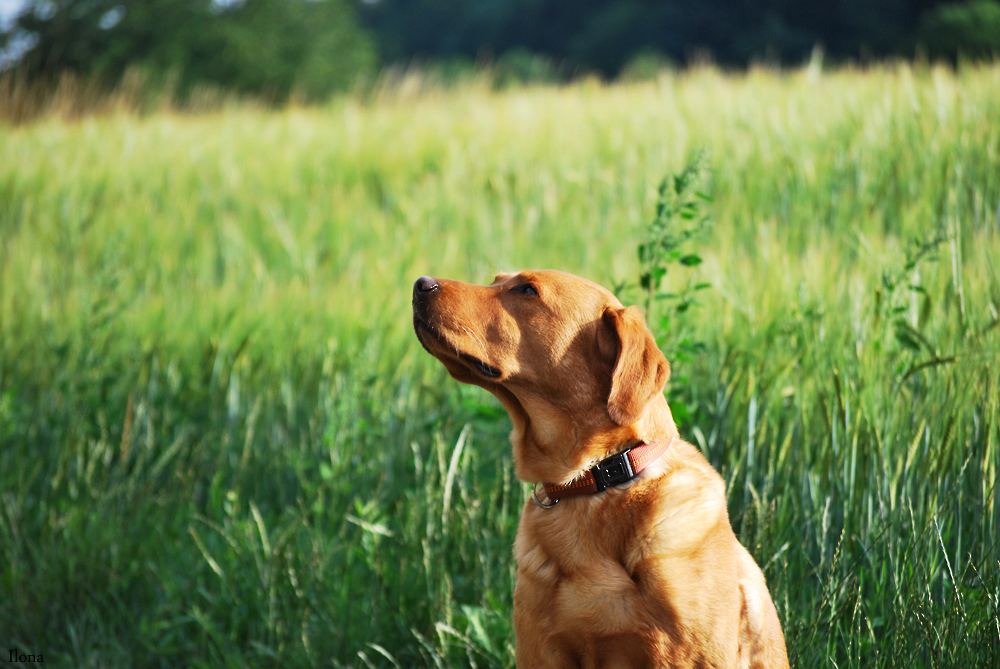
pixel 220 442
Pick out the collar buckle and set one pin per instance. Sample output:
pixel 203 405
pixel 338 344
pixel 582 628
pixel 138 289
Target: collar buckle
pixel 612 471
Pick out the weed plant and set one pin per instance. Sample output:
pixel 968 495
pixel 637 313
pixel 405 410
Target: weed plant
pixel 221 445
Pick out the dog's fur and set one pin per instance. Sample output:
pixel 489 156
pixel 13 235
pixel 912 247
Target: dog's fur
pixel 646 574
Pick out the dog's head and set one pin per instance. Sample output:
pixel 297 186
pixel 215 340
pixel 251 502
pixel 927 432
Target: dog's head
pixel 576 371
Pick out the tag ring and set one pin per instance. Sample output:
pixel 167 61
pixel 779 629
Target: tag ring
pixel 534 497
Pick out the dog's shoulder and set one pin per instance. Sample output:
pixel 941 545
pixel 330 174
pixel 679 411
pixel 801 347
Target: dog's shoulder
pixel 682 503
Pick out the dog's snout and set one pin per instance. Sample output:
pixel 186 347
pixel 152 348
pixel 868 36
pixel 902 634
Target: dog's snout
pixel 424 286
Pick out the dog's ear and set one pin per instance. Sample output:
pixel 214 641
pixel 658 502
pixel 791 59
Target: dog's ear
pixel 640 370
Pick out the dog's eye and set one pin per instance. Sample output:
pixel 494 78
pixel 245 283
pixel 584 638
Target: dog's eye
pixel 526 289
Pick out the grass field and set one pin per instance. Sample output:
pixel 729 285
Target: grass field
pixel 221 445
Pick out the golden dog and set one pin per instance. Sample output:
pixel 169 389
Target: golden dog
pixel 637 564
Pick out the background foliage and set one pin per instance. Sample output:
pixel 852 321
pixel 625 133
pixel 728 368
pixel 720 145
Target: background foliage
pixel 603 35
pixel 971 29
pixel 271 49
pixel 265 47
pixel 221 444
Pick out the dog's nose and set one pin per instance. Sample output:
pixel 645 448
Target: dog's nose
pixel 424 286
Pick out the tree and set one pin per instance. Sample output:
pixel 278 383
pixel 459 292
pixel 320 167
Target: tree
pixel 603 35
pixel 263 47
pixel 970 29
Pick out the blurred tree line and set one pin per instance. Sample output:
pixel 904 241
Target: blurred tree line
pixel 268 48
pixel 605 35
pixel 273 48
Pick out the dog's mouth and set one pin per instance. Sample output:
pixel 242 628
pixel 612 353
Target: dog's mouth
pixel 487 370
pixel 426 330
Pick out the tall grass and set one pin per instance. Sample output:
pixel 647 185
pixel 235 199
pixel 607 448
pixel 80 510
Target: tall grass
pixel 220 443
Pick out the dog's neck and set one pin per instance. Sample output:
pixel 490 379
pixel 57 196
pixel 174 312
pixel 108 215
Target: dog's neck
pixel 551 445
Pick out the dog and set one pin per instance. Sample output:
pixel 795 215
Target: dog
pixel 625 557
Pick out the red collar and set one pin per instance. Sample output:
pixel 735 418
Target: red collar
pixel 615 470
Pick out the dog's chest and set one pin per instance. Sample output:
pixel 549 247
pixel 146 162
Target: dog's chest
pixel 577 589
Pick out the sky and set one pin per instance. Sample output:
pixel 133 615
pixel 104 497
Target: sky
pixel 7 10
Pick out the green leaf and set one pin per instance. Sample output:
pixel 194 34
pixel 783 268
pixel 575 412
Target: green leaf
pixel 904 337
pixel 680 412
